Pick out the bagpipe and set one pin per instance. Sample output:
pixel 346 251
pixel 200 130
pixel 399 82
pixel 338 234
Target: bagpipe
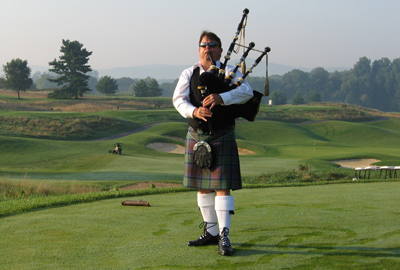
pixel 215 81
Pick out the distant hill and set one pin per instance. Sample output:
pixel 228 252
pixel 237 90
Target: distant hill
pixel 172 72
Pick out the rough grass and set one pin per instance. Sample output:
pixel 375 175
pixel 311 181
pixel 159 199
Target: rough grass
pixel 314 112
pixel 38 101
pixel 303 175
pixel 75 126
pixel 19 189
pixel 37 202
pixel 61 127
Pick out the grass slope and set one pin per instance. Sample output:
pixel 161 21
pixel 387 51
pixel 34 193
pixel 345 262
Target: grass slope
pixel 317 227
pixel 278 146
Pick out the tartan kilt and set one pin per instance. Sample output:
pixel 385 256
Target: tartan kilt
pixel 224 172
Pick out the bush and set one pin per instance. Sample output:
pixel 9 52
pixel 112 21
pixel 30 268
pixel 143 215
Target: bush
pixel 59 94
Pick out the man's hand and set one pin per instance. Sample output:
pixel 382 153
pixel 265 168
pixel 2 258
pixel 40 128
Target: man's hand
pixel 202 113
pixel 212 100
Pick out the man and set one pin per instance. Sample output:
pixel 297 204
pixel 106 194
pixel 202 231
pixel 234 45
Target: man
pixel 207 123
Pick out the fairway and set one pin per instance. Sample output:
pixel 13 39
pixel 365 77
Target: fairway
pixel 337 226
pixel 278 147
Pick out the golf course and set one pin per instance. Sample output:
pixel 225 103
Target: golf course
pixel 302 206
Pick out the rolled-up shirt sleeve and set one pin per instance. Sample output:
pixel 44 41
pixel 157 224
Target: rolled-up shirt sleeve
pixel 238 95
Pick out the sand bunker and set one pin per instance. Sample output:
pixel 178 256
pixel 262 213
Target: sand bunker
pixel 355 163
pixel 167 147
pixel 179 149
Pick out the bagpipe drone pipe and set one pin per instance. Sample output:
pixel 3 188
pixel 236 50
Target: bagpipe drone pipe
pixel 215 81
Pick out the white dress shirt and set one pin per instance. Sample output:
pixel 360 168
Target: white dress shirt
pixel 181 98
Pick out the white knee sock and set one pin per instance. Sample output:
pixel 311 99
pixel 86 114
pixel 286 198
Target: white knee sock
pixel 224 206
pixel 206 202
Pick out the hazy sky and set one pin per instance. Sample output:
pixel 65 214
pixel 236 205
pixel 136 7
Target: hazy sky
pixel 122 33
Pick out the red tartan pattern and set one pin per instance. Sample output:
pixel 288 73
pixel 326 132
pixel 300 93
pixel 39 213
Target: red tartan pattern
pixel 225 170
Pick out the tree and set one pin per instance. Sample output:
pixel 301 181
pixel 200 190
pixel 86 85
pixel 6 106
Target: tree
pixel 334 86
pixel 257 83
pixel 154 89
pixel 319 81
pixel 394 85
pixel 278 97
pixel 146 88
pixel 169 88
pixel 355 88
pixel 362 67
pixel 92 82
pixel 107 85
pixel 43 81
pixel 295 80
pixel 140 88
pixel 36 76
pixel 124 83
pixel 379 82
pixel 313 96
pixel 357 84
pixel 72 68
pixel 17 75
pixel 2 82
pixel 298 99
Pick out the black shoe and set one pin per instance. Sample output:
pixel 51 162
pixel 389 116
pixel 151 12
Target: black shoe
pixel 205 238
pixel 225 248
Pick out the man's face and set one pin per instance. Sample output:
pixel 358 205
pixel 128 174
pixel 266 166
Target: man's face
pixel 204 52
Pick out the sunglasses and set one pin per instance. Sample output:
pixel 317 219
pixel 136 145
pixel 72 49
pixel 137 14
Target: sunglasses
pixel 210 44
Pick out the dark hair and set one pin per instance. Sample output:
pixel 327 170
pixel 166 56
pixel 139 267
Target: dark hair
pixel 210 35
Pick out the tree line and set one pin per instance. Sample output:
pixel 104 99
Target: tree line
pixel 370 84
pixel 148 87
pixel 72 77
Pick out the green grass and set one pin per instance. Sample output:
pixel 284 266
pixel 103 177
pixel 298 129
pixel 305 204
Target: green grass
pixel 315 227
pixel 335 226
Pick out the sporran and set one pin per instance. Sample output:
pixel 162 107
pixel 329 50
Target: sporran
pixel 202 155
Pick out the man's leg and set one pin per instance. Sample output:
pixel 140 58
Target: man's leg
pixel 224 206
pixel 206 203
